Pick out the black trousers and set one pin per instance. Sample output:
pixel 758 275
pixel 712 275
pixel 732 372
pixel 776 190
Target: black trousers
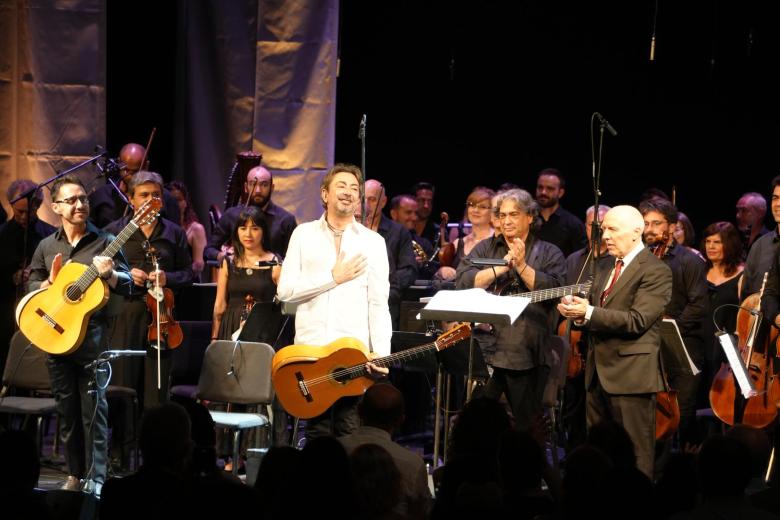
pixel 83 412
pixel 524 389
pixel 338 420
pixel 635 412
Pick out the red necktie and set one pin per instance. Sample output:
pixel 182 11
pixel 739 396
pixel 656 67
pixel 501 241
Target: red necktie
pixel 618 267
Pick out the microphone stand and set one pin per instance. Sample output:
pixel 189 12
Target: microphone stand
pixel 362 137
pixel 111 168
pixel 595 235
pixel 31 208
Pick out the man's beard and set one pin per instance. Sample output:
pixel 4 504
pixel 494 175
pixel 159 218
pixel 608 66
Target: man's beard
pixel 549 203
pixel 652 239
pixel 350 208
pixel 260 200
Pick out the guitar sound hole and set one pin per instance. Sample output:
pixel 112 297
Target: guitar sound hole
pixel 73 294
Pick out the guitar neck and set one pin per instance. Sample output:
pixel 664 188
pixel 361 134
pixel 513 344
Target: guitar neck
pixel 555 292
pixel 392 359
pixel 91 274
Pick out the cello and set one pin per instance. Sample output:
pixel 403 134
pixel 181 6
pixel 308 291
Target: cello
pixel 756 336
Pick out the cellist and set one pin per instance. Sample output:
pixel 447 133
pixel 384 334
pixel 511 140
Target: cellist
pixel 688 306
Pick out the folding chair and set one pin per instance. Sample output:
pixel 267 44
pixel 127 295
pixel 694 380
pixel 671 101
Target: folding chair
pixel 25 369
pixel 237 372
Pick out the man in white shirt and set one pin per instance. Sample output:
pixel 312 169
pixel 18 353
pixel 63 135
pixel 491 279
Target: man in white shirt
pixel 336 271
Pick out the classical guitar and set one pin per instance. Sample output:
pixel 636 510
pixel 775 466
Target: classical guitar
pixel 308 379
pixel 55 318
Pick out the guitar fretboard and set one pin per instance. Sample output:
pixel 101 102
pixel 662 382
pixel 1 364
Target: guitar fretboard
pixel 555 292
pixel 83 282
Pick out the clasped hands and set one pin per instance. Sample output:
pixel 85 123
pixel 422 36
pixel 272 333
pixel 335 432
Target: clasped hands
pixel 573 307
pixel 516 256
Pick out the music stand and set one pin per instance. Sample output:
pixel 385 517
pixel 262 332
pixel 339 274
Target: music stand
pixel 474 306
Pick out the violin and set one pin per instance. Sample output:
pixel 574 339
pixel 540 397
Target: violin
pixel 576 360
pixel 446 249
pixel 755 335
pixel 159 301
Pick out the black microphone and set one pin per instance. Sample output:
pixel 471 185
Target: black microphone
pixel 362 131
pixel 605 123
pixel 108 355
pixel 489 262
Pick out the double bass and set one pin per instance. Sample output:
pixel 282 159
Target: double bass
pixel 756 336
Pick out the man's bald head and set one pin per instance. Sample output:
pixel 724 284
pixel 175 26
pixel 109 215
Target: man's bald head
pixel 623 227
pixel 262 181
pixel 382 407
pixel 132 155
pixel 375 194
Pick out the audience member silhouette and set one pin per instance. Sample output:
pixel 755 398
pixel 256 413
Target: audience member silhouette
pixel 277 482
pixel 19 472
pixel 376 482
pixel 159 488
pixel 521 465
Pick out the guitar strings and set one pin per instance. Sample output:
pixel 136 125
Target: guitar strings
pixel 357 369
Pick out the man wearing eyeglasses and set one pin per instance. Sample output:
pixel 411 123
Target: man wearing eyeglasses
pixel 520 353
pixel 81 406
pixel 106 205
pixel 688 305
pixel 558 226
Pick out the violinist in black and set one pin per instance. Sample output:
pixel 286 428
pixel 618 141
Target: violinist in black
pixel 169 241
pixel 688 305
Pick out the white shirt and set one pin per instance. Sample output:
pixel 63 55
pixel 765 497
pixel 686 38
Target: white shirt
pixel 328 311
pixel 626 260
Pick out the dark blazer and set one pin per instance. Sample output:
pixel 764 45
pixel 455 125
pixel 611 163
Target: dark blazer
pixel 624 335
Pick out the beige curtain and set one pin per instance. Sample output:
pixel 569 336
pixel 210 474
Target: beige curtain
pixel 52 88
pixel 257 75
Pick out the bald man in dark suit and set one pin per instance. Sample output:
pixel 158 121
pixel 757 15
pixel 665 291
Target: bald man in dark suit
pixel 622 315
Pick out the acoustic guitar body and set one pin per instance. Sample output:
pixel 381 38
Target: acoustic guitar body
pixel 295 364
pixel 51 320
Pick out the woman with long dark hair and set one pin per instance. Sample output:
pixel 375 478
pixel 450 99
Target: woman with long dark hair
pixel 247 281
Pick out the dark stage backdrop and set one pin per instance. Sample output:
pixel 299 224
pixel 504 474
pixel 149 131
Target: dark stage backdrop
pixel 482 92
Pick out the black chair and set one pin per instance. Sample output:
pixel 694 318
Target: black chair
pixel 237 372
pixel 25 370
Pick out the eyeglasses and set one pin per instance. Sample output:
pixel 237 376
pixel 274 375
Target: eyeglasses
pixel 655 223
pixel 477 206
pixel 70 201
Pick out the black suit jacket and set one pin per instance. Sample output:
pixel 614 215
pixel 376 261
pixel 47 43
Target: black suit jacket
pixel 625 339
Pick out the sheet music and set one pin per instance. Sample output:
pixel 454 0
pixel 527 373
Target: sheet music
pixel 671 334
pixel 478 301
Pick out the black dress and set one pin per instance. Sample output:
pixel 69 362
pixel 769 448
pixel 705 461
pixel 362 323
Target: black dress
pixel 265 320
pixel 726 318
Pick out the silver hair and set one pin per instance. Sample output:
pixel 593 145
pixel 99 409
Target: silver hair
pixel 144 177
